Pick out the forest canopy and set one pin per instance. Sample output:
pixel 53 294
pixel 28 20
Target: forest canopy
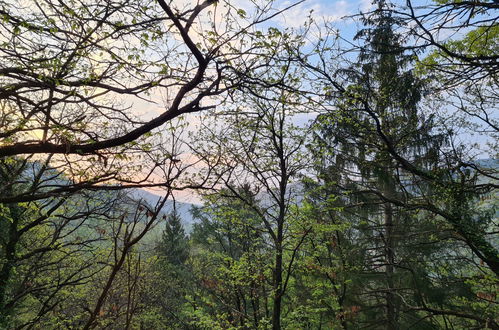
pixel 345 169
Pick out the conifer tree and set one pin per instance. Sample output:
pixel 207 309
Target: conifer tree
pixel 172 274
pixel 174 242
pixel 381 101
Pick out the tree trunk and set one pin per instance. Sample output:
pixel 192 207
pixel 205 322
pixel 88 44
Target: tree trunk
pixel 276 312
pixel 390 260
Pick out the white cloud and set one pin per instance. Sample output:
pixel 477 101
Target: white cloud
pixel 366 5
pixel 320 11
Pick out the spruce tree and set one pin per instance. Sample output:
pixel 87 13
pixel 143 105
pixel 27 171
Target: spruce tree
pixel 172 271
pixel 380 104
pixel 174 245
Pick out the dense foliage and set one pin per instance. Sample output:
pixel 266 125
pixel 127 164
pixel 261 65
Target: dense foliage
pixel 379 211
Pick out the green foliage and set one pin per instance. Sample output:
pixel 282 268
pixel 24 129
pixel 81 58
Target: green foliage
pixel 174 243
pixel 391 226
pixel 392 273
pixel 480 42
pixel 231 265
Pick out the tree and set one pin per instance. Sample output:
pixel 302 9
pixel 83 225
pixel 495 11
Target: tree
pixel 470 54
pixel 461 40
pixel 73 70
pixel 456 176
pixel 363 173
pixel 230 263
pixel 374 150
pixel 71 77
pixel 262 148
pixel 44 246
pixel 174 243
pixel 51 249
pixel 172 279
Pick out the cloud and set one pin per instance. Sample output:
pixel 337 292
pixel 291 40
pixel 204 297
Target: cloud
pixel 297 16
pixel 366 5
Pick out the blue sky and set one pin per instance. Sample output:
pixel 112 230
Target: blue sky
pixel 322 9
pixel 331 11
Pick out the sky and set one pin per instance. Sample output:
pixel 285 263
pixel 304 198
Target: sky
pixel 294 18
pixel 332 11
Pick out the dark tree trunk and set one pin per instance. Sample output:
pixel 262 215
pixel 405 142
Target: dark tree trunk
pixel 390 260
pixel 276 312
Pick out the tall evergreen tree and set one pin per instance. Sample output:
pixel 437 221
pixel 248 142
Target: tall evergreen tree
pixel 174 245
pixel 171 279
pixel 380 103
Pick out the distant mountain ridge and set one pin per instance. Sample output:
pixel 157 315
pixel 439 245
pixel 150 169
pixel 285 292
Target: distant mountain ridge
pixel 183 209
